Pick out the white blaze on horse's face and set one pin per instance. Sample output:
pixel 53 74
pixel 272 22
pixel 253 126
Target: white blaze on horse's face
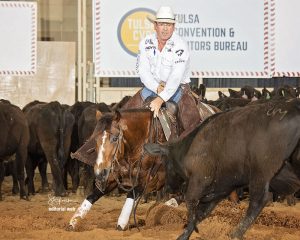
pixel 99 161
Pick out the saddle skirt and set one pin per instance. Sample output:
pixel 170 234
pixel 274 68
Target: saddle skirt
pixel 168 120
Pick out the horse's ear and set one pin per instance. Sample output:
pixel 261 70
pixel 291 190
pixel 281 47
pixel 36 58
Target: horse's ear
pixel 117 116
pixel 98 115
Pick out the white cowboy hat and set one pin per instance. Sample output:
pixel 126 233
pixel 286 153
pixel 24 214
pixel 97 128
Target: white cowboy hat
pixel 164 14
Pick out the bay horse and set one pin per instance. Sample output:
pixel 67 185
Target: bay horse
pixel 115 149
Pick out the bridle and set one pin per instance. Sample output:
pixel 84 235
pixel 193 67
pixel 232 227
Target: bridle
pixel 115 159
pixel 115 164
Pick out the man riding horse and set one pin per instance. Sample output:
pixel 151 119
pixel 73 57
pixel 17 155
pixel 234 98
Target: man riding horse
pixel 163 66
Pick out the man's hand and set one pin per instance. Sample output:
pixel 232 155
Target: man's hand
pixel 155 105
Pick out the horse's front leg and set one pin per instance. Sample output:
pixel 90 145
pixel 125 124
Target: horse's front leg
pixel 84 208
pixel 126 210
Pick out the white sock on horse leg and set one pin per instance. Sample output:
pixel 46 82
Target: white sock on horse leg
pixel 125 214
pixel 80 213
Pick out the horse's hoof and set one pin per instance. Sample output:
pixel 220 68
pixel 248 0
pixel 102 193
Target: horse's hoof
pixel 26 198
pixel 119 228
pixel 70 228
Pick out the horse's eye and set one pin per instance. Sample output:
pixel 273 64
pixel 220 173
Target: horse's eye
pixel 114 139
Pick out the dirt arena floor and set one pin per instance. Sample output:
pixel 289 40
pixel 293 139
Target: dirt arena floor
pixel 46 217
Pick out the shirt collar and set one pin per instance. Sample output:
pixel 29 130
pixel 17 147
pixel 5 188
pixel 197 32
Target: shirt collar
pixel 169 43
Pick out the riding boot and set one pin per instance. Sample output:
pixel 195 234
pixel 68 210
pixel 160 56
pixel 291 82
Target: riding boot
pixel 80 213
pixel 125 214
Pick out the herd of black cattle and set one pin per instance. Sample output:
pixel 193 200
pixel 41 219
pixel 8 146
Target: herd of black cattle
pixel 43 133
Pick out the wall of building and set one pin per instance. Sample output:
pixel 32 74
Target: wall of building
pixel 57 21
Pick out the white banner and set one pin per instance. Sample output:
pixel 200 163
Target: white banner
pixel 54 79
pixel 18 27
pixel 285 37
pixel 227 38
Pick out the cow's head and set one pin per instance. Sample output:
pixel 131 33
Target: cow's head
pixel 156 149
pixel 174 181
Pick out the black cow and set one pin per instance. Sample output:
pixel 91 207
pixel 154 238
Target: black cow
pixel 10 169
pixel 77 109
pixel 285 91
pixel 266 94
pixel 225 103
pixel 50 136
pixel 236 99
pixel 247 92
pixel 14 139
pixel 229 103
pixel 242 147
pixel 285 184
pixel 87 121
pixel 72 165
pixel 69 121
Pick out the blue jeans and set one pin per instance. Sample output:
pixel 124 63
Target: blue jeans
pixel 146 92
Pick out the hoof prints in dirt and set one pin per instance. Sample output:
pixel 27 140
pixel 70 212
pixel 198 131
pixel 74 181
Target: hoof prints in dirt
pixel 164 215
pixel 233 213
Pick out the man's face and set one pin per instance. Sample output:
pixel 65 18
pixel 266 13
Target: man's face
pixel 164 30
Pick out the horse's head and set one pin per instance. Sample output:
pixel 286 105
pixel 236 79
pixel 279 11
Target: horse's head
pixel 120 145
pixel 109 147
pixel 116 146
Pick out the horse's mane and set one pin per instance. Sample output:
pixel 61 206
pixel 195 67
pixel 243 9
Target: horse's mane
pixel 106 119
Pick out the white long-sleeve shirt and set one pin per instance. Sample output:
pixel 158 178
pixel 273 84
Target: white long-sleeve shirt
pixel 171 65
